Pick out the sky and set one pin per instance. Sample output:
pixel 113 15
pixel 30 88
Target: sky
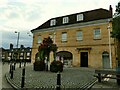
pixel 24 15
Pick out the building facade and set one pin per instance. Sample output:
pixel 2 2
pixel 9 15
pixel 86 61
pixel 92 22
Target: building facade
pixel 83 39
pixel 17 54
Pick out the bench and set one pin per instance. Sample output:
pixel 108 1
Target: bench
pixel 101 74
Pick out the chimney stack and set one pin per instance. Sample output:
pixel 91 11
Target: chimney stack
pixel 111 10
pixel 11 46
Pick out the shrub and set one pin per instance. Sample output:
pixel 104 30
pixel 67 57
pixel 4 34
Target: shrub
pixel 56 66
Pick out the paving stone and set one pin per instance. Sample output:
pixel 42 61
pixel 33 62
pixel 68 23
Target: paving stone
pixel 70 77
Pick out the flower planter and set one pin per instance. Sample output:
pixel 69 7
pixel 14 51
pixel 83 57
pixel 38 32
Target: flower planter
pixel 39 66
pixel 56 66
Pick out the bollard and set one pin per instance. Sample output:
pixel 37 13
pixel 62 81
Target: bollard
pixel 23 78
pixel 20 65
pixel 58 81
pixel 12 67
pixel 99 77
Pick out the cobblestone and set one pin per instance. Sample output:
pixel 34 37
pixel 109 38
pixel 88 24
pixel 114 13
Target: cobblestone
pixel 70 78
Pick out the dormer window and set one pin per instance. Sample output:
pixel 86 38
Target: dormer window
pixel 53 22
pixel 80 17
pixel 65 20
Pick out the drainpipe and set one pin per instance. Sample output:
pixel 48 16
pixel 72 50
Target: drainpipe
pixel 109 36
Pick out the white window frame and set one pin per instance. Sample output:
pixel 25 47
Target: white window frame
pixel 79 35
pixel 97 33
pixel 80 17
pixel 65 20
pixel 53 22
pixel 64 36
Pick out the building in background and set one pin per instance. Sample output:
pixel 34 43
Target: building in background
pixel 17 54
pixel 83 39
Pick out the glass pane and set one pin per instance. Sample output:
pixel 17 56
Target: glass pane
pixel 65 20
pixel 97 33
pixel 64 36
pixel 79 17
pixel 52 22
pixel 79 35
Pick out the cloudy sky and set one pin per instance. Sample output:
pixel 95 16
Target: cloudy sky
pixel 25 15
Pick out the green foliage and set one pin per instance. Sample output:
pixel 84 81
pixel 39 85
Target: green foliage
pixel 45 48
pixel 116 28
pixel 118 8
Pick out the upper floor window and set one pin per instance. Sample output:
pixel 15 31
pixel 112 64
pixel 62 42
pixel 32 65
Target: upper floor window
pixel 97 33
pixel 64 36
pixel 65 20
pixel 79 17
pixel 79 35
pixel 39 39
pixel 21 54
pixel 28 54
pixel 53 22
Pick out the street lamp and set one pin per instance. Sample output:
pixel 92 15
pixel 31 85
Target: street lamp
pixel 18 45
pixel 17 38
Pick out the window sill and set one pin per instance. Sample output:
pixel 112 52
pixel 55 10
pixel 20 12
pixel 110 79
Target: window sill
pixel 97 39
pixel 63 41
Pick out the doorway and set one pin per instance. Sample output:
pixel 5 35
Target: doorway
pixel 106 60
pixel 84 59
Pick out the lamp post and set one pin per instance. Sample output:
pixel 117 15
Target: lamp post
pixel 18 44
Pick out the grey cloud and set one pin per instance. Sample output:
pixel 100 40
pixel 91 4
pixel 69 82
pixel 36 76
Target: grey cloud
pixel 11 37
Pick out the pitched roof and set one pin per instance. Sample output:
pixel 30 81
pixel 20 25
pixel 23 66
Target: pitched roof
pixel 91 15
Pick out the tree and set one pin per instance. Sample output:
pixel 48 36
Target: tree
pixel 116 30
pixel 116 35
pixel 118 8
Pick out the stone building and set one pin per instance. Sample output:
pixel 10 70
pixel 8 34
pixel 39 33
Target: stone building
pixel 83 39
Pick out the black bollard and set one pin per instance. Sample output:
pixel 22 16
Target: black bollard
pixel 12 67
pixel 23 78
pixel 20 65
pixel 58 81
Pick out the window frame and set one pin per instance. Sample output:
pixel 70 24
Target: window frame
pixel 53 22
pixel 39 39
pixel 65 20
pixel 95 33
pixel 80 17
pixel 64 37
pixel 79 37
